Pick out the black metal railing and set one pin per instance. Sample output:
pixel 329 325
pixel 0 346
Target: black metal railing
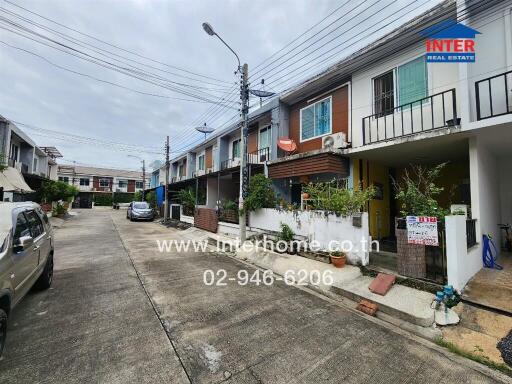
pixel 259 156
pixel 470 232
pixel 431 112
pixel 494 96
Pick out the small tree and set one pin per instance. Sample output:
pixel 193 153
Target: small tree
pixel 417 191
pixel 151 198
pixel 187 199
pixel 58 190
pixel 260 194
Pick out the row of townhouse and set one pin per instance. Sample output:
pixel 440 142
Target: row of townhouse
pixel 24 161
pixel 372 115
pixel 93 180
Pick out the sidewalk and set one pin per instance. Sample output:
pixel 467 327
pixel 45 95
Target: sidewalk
pixel 401 302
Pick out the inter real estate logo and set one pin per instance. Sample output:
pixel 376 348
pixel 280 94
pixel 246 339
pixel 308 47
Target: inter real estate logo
pixel 450 42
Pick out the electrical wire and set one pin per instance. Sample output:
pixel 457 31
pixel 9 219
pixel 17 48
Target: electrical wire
pixel 113 45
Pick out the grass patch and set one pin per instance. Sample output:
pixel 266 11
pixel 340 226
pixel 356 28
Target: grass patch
pixel 502 367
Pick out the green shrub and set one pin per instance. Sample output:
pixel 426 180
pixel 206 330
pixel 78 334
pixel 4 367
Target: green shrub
pixel 417 192
pixel 59 209
pixel 57 190
pixel 329 197
pixel 286 233
pixel 102 199
pixel 260 194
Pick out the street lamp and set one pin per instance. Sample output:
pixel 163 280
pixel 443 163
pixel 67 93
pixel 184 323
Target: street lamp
pixel 244 97
pixel 143 174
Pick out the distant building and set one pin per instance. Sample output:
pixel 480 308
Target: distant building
pixel 20 152
pixel 93 180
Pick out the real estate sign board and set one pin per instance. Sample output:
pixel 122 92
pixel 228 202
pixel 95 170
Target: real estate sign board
pixel 422 230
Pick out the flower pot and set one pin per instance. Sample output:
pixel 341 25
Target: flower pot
pixel 338 261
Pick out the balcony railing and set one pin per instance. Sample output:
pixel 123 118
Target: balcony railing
pixel 230 163
pixel 431 112
pixel 259 156
pixel 494 96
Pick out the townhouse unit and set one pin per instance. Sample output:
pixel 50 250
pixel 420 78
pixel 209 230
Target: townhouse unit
pixel 92 181
pixel 32 163
pixel 370 117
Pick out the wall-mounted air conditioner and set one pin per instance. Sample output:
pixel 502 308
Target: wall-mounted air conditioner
pixel 334 141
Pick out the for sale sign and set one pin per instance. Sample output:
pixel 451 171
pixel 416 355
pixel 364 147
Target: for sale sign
pixel 422 230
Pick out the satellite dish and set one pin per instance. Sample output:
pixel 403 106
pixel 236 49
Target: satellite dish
pixel 204 129
pixel 260 93
pixel 286 144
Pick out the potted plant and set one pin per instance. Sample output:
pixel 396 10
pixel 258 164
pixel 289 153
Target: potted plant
pixel 338 258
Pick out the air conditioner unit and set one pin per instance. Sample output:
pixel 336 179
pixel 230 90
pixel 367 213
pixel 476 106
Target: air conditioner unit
pixel 334 141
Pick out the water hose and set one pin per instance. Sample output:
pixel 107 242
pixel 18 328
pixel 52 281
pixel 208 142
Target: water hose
pixel 488 258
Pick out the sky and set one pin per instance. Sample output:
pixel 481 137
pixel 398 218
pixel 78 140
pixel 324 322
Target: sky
pixel 102 117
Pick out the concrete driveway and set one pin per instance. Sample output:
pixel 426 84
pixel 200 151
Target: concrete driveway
pixel 98 325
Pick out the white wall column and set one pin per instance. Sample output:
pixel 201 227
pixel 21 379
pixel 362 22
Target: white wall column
pixel 456 251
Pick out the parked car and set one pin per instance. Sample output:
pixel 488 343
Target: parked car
pixel 26 256
pixel 140 210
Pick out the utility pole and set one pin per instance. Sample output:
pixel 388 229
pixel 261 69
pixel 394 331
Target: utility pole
pixel 166 187
pixel 244 175
pixel 143 179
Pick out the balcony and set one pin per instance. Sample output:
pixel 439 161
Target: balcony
pixel 230 163
pixel 259 156
pixel 494 96
pixel 426 114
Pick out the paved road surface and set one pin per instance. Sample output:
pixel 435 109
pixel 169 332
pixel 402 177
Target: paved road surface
pixel 98 325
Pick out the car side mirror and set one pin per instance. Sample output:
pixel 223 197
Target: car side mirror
pixel 23 243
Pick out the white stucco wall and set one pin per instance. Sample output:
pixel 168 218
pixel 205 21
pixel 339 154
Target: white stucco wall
pixel 441 77
pixel 314 225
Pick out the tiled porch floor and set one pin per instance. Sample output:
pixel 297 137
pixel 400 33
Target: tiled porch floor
pixel 492 287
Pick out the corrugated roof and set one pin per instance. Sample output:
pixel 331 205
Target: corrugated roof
pixel 94 171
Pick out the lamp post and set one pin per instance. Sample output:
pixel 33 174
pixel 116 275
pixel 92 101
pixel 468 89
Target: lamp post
pixel 243 70
pixel 143 174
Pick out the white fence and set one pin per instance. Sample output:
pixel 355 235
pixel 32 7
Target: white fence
pixel 327 230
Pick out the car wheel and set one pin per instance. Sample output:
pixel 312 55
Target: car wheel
pixel 46 278
pixel 3 330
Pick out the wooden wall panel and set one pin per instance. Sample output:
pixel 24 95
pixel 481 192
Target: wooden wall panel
pixel 339 119
pixel 321 163
pixel 208 158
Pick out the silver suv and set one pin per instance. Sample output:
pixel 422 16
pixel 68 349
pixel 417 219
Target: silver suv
pixel 26 255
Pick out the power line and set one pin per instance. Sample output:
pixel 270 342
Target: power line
pixel 97 79
pixel 106 64
pixel 121 70
pixel 113 45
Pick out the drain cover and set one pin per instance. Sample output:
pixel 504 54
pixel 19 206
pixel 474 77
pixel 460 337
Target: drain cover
pixel 505 347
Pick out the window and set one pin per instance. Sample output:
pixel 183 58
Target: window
pixel 35 223
pixel 104 183
pixel 200 161
pixel 412 81
pixel 34 168
pixel 141 205
pixel 64 179
pixel 315 120
pixel 123 183
pixel 138 185
pixel 384 94
pixel 14 152
pixel 264 139
pixel 84 182
pixel 235 149
pixel 22 228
